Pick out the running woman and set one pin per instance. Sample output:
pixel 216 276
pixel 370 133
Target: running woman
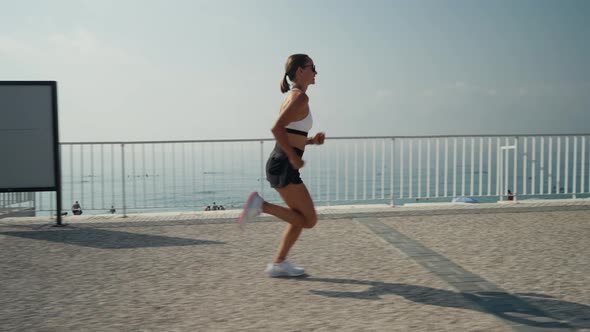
pixel 282 168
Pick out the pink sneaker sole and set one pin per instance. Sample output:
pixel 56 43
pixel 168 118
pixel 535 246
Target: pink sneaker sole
pixel 243 214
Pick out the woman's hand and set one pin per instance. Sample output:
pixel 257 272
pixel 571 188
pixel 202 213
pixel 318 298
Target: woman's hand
pixel 318 138
pixel 296 162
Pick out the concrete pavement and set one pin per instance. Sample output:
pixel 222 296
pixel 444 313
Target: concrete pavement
pixel 492 267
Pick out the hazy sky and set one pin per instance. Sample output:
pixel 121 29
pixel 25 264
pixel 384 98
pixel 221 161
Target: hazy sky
pixel 171 69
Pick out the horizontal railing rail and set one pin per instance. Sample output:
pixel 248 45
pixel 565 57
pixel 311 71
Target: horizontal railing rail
pixel 135 176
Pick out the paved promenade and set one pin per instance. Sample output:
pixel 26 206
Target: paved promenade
pixel 486 267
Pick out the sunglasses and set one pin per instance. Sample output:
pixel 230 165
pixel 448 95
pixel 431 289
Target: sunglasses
pixel 312 67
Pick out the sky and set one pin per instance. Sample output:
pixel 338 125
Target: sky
pixel 195 69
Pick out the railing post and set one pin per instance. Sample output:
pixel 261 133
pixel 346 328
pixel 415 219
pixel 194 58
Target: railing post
pixel 123 178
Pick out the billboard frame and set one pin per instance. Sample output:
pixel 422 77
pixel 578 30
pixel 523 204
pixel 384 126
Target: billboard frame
pixel 56 153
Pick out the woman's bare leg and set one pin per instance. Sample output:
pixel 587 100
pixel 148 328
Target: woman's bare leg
pixel 291 216
pixel 300 214
pixel 290 235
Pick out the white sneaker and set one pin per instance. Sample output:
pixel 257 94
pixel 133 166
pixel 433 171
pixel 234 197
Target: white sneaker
pixel 252 208
pixel 283 269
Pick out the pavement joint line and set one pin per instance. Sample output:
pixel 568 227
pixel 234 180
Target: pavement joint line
pixel 520 315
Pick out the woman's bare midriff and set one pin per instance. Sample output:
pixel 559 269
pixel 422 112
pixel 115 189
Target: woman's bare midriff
pixel 297 141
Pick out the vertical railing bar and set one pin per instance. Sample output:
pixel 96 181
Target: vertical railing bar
pixel 391 182
pixel 480 191
pixel 261 167
pixel 183 182
pixel 213 167
pixel 428 168
pixel 567 165
pixel 203 167
pixel 346 177
pixel 134 175
pixel 112 174
pixel 551 178
pixel 92 176
pixel 506 174
pixel 558 166
pixel 419 188
pixel 51 204
pixel 500 189
pixel 355 169
pixel 498 167
pixel 489 166
pixel 515 170
pixel 242 170
pixel 542 166
pixel 40 208
pixel 582 164
pixel 144 175
pixel 234 171
pixel 364 169
pixel 463 166
pixel 383 169
pixel 224 161
pixel 336 180
pixel 374 167
pixel 533 164
pixel 455 167
pixel 328 153
pixel 437 180
pixel 124 201
pixel 524 165
pixel 102 175
pixel 401 168
pixel 222 167
pixel 410 168
pixel 446 193
pixel 472 164
pixel 81 201
pixel 173 147
pixel 319 168
pixel 71 176
pixel 193 178
pixel 164 193
pixel 575 165
pixel 154 175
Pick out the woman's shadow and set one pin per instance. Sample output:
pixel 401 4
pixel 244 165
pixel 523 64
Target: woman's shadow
pixel 537 310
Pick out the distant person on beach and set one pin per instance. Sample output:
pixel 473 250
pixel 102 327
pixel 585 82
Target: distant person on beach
pixel 510 195
pixel 282 168
pixel 112 210
pixel 76 209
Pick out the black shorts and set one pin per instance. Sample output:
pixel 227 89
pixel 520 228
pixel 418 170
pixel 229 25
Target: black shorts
pixel 279 171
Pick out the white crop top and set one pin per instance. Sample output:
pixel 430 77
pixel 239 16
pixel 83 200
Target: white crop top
pixel 304 124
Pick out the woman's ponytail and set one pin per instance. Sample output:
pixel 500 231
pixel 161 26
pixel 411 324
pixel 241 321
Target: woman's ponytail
pixel 285 85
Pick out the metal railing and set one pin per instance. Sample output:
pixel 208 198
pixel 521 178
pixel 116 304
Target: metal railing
pixel 12 199
pixel 157 175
